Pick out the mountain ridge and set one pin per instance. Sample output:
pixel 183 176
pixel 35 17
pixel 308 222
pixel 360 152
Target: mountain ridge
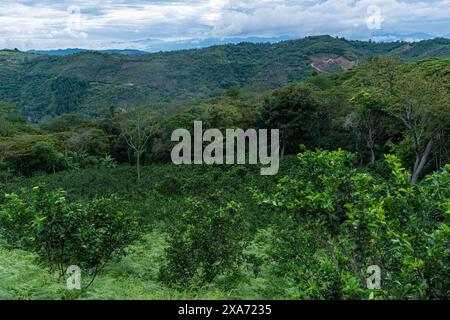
pixel 150 45
pixel 69 51
pixel 91 82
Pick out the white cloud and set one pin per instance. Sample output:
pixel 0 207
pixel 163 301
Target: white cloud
pixel 45 24
pixel 343 17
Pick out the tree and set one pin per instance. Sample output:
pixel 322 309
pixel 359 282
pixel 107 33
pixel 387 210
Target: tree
pixel 8 108
pixel 136 124
pixel 29 153
pixel 68 94
pixel 367 119
pixel 92 141
pixel 419 100
pixel 86 234
pixel 295 111
pixel 44 156
pixel 65 123
pixel 10 119
pixel 204 242
pixel 335 219
pixel 3 153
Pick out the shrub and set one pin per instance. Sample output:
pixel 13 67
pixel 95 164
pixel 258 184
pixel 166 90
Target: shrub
pixel 204 243
pixel 319 188
pixel 399 226
pixel 29 153
pixel 63 234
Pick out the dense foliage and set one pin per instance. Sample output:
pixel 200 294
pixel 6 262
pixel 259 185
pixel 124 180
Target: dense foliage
pixel 338 220
pixel 90 83
pixel 230 233
pixel 64 234
pixel 205 242
pixel 364 181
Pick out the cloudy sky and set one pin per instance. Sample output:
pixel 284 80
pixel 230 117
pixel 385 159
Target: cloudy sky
pixel 138 24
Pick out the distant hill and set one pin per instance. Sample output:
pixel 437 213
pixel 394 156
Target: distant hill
pixel 156 45
pixel 66 52
pixel 91 82
pixel 410 37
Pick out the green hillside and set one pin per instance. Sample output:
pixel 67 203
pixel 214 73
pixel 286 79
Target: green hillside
pixel 90 83
pixel 363 179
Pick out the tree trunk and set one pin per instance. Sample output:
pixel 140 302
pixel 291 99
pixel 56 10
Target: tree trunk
pixel 372 156
pixel 371 144
pixel 138 166
pixel 420 164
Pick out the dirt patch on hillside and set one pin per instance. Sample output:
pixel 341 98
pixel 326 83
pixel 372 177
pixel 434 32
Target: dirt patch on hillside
pixel 406 47
pixel 326 63
pixel 128 64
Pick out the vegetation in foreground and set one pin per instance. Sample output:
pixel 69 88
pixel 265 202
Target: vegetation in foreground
pixel 230 233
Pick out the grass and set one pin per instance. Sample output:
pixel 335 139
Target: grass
pixel 158 199
pixel 133 277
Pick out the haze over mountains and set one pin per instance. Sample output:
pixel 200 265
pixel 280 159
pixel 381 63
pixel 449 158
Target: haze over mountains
pixel 157 45
pixel 91 82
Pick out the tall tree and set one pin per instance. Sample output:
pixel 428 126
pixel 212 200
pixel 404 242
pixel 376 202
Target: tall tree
pixel 294 110
pixel 367 120
pixel 136 124
pixel 3 153
pixel 420 101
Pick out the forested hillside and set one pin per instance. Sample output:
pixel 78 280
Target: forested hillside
pixel 364 179
pixel 90 83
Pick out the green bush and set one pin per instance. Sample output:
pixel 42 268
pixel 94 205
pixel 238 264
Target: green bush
pixel 31 153
pixel 62 234
pixel 204 243
pixel 399 226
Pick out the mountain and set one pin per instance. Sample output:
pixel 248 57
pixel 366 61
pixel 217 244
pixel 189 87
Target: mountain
pixel 69 51
pixel 91 82
pixel 156 45
pixel 410 37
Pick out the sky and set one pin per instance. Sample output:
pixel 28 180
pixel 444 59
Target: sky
pixel 145 24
